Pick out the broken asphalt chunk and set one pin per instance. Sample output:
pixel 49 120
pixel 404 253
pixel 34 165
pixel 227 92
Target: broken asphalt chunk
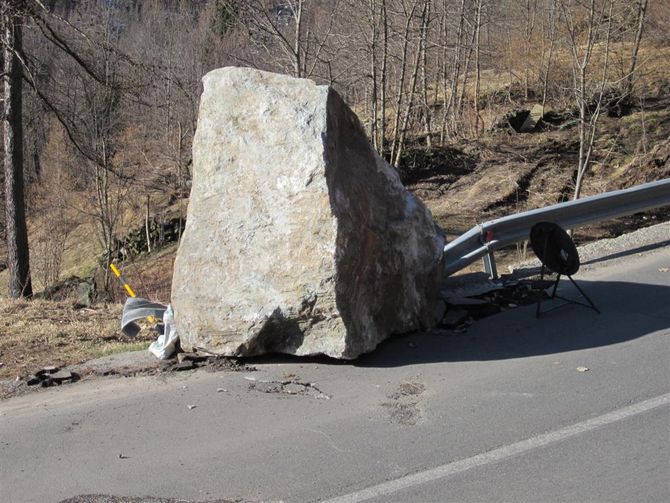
pixel 33 380
pixel 62 375
pixel 47 381
pixel 192 357
pixel 185 365
pixel 50 376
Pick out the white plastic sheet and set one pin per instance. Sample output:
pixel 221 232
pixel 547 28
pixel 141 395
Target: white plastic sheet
pixel 166 344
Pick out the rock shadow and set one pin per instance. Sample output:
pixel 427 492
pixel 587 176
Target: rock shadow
pixel 278 333
pixel 629 311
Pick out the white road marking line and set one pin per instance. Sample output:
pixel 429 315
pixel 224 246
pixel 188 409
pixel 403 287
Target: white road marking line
pixel 501 453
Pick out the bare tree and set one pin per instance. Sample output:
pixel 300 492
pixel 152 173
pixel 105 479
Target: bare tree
pixel 402 133
pixel 290 30
pixel 384 76
pixel 641 12
pixel 466 71
pixel 450 96
pixel 548 56
pixel 530 14
pixel 408 13
pixel 582 41
pixel 478 65
pixel 18 257
pixel 423 47
pixel 57 220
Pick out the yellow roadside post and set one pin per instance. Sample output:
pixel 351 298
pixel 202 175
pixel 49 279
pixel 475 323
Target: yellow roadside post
pixel 125 284
pixel 127 287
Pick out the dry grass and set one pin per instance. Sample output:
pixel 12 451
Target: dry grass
pixel 150 276
pixel 39 332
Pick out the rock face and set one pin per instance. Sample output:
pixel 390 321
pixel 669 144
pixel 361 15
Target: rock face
pixel 299 238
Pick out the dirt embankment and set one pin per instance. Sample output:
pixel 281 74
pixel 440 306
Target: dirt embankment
pixel 504 172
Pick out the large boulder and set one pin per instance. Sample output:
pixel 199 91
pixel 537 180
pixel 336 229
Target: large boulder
pixel 299 238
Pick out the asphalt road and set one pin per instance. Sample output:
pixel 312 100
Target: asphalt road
pixel 499 413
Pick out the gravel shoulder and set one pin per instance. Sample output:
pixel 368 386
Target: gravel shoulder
pixel 607 251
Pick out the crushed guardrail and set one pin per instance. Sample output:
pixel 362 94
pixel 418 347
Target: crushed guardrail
pixel 484 239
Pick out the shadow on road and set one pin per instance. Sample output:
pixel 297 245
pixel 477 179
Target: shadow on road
pixel 629 311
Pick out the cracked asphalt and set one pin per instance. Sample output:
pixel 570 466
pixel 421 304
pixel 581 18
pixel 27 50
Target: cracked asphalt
pixel 412 421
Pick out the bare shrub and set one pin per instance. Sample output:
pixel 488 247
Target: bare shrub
pixel 55 219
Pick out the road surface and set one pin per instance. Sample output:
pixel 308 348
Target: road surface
pixel 499 413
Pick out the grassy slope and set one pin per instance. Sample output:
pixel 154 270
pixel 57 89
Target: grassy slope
pixel 38 333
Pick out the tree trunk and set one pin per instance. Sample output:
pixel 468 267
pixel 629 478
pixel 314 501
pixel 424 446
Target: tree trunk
pixel 297 15
pixel 147 223
pixel 461 97
pixel 382 126
pixel 531 10
pixel 456 71
pixel 641 11
pixel 17 233
pixel 401 84
pixel 478 66
pixel 373 74
pixel 412 90
pixel 427 123
pixel 581 167
pixel 552 43
pixel 588 130
pixel 179 179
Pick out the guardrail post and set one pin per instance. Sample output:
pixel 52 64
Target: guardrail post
pixel 490 265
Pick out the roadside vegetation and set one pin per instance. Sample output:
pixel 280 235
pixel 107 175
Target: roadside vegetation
pixel 38 333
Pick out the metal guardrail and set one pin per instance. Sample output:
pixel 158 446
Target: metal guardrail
pixel 484 239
